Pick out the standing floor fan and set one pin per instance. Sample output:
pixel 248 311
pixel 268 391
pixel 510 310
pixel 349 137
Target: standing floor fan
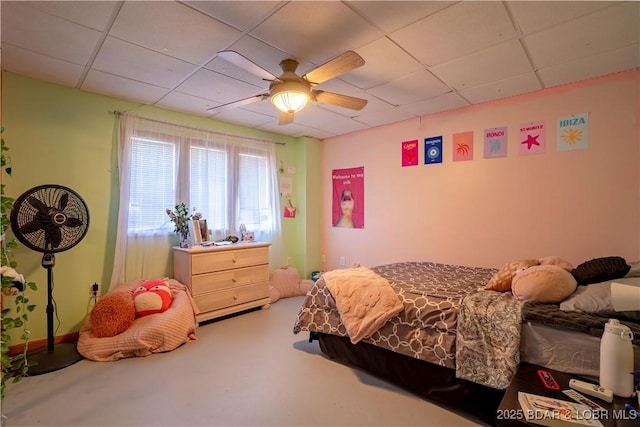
pixel 50 219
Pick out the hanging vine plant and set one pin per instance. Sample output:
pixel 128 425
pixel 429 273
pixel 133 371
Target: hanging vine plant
pixel 14 367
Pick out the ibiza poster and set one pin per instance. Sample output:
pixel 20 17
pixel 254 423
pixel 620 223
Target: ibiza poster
pixel 463 146
pixel 348 198
pixel 532 138
pixel 433 150
pixel 495 142
pixel 573 132
pixel 409 153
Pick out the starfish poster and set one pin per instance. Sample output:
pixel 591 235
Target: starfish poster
pixel 410 153
pixel 348 197
pixel 433 150
pixel 463 146
pixel 495 142
pixel 573 132
pixel 532 138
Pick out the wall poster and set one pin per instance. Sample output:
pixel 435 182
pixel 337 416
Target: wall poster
pixel 573 132
pixel 463 146
pixel 495 142
pixel 433 150
pixel 532 138
pixel 409 153
pixel 348 197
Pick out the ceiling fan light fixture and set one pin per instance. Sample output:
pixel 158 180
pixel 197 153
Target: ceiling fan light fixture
pixel 290 97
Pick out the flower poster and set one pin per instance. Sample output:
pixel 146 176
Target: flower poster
pixel 495 142
pixel 410 153
pixel 573 132
pixel 532 138
pixel 463 146
pixel 348 198
pixel 433 150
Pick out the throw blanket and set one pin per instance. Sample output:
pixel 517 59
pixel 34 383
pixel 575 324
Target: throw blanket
pixel 364 300
pixel 488 338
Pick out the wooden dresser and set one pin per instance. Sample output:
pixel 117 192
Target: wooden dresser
pixel 224 279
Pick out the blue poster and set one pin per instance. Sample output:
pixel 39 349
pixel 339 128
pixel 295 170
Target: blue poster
pixel 433 150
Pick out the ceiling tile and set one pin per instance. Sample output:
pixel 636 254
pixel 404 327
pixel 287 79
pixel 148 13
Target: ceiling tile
pixel 320 118
pixel 586 36
pixel 378 118
pixel 592 66
pixel 393 16
pixel 414 87
pixel 182 102
pixel 41 67
pixel 289 129
pixel 322 30
pixel 243 117
pixel 120 87
pixel 495 63
pixel 137 63
pixel 34 30
pixel 458 30
pixel 502 89
pixel 217 87
pixel 532 16
pixel 243 18
pixel 384 61
pixel 448 101
pixel 173 29
pixel 92 14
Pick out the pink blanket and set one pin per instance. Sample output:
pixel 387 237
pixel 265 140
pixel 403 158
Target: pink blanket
pixel 364 299
pixel 148 334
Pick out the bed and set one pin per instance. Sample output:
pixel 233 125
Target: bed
pixel 453 342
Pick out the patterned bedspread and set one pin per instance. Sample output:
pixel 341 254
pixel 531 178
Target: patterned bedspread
pixel 426 329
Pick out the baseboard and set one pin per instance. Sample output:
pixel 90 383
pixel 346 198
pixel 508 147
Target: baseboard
pixel 35 345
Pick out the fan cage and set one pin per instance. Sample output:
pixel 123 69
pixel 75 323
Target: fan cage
pixel 26 216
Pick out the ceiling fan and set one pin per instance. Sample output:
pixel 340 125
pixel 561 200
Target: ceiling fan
pixel 290 92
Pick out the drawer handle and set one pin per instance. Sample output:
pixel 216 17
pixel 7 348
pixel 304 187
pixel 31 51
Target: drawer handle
pixel 234 260
pixel 233 279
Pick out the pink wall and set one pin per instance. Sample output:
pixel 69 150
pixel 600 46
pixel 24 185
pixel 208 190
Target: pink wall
pixel 577 204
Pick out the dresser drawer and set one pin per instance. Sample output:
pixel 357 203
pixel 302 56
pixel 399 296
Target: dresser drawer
pixel 226 260
pixel 209 282
pixel 230 297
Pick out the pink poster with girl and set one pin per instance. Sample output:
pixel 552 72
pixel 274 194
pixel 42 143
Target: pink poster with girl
pixel 348 197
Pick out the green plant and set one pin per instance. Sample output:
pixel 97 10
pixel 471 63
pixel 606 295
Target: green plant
pixel 181 218
pixel 14 367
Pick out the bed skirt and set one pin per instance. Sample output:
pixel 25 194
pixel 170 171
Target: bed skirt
pixel 437 384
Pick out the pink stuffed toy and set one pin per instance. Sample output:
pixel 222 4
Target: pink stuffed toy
pixel 152 296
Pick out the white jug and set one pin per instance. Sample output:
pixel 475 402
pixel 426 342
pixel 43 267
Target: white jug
pixel 616 359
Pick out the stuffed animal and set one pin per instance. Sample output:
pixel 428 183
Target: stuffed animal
pixel 152 296
pixel 16 279
pixel 548 283
pixel 112 314
pixel 285 282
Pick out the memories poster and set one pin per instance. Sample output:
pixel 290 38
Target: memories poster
pixel 348 198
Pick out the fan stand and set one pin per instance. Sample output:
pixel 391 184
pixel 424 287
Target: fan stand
pixel 53 357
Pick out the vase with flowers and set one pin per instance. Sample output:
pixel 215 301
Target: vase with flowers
pixel 180 217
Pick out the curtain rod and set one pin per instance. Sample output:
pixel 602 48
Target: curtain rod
pixel 119 113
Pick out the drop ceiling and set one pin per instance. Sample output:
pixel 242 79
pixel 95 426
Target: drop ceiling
pixel 421 57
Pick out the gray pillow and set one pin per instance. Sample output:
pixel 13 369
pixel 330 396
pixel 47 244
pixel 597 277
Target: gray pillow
pixel 592 298
pixel 635 269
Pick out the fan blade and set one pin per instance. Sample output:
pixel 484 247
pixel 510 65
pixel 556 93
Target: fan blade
pixel 36 224
pixel 235 104
pixel 64 199
pixel 339 100
pixel 338 65
pixel 53 236
pixel 285 118
pixel 246 64
pixel 73 222
pixel 36 203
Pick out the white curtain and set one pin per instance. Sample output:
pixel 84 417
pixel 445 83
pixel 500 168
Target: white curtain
pixel 230 180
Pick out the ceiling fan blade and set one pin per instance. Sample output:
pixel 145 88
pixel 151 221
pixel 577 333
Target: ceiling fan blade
pixel 285 118
pixel 333 68
pixel 339 100
pixel 236 104
pixel 246 64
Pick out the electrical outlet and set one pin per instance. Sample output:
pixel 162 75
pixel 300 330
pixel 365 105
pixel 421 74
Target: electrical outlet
pixel 343 260
pixel 288 261
pixel 94 289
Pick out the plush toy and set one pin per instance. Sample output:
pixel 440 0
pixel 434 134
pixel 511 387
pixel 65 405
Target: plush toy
pixel 16 279
pixel 112 314
pixel 285 282
pixel 152 296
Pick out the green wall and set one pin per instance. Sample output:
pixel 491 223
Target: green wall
pixel 58 135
